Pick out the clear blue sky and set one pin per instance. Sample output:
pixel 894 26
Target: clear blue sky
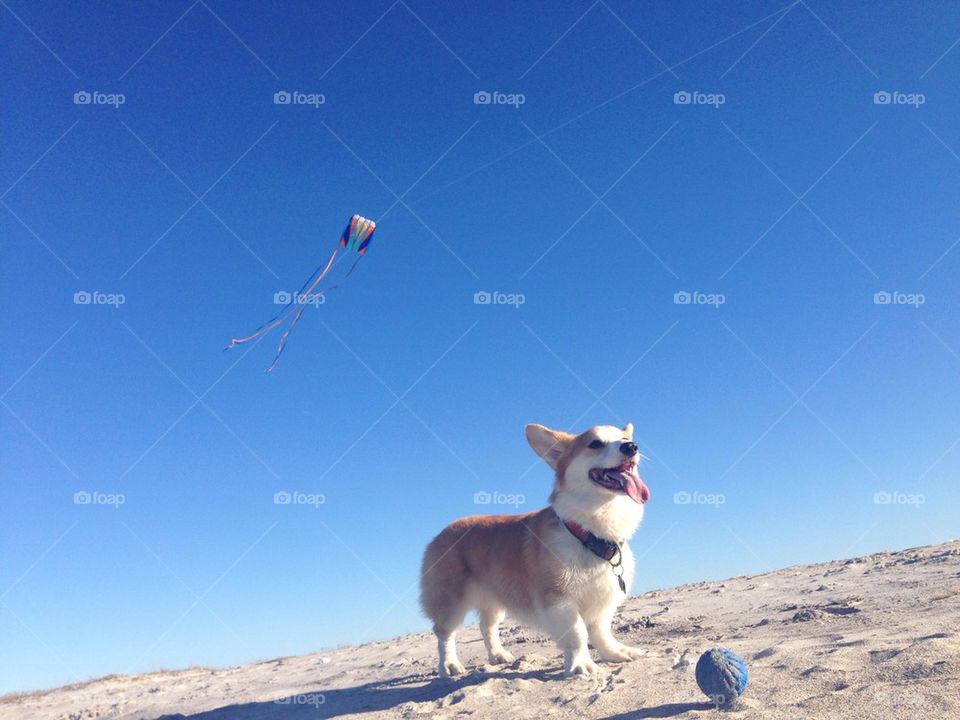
pixel 797 399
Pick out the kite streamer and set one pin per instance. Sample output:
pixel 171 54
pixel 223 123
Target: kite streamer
pixel 356 238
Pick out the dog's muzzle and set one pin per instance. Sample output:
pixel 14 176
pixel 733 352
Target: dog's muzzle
pixel 622 478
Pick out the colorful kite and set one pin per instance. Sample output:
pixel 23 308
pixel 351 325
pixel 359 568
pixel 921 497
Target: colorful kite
pixel 356 237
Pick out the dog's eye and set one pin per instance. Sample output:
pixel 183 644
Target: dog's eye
pixel 597 444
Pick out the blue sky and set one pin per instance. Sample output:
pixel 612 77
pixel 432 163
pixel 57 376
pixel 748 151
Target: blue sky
pixel 789 414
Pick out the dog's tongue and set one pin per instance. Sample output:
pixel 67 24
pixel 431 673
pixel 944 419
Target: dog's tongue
pixel 634 486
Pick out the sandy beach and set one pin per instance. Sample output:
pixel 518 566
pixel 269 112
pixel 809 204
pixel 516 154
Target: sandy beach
pixel 869 637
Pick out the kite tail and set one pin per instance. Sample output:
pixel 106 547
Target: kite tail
pixel 283 339
pixel 257 333
pixel 281 317
pixel 343 279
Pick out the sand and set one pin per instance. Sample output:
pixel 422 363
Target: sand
pixel 872 637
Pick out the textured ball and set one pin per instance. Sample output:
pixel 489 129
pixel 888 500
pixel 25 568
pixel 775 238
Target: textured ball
pixel 722 675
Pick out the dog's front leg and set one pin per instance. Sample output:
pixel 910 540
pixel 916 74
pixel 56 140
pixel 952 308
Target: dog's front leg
pixel 610 649
pixel 565 625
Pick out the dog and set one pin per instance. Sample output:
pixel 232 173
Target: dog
pixel 564 568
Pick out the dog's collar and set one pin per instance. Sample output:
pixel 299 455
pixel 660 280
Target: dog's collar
pixel 604 549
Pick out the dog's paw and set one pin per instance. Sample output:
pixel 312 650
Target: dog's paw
pixel 581 666
pixel 623 653
pixel 452 668
pixel 500 657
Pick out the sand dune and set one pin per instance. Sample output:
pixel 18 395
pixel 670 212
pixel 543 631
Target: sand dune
pixel 873 637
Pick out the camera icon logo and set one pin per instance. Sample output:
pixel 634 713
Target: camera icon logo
pixel 82 97
pixel 882 498
pixel 882 298
pixel 482 298
pixel 82 297
pixel 482 97
pixel 681 497
pixel 282 498
pixel 882 97
pixel 482 498
pixel 82 497
pixel 282 97
pixel 682 297
pixel 682 97
pixel 282 297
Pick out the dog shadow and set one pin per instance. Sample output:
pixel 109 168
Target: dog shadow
pixel 661 711
pixel 366 698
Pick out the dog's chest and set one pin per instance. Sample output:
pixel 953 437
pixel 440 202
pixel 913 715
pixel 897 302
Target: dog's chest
pixel 591 579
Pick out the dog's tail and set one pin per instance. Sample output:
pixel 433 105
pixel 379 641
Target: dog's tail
pixel 443 577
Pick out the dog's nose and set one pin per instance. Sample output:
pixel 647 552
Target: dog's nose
pixel 629 448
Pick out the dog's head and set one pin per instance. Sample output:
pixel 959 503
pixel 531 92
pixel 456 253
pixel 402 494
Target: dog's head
pixel 596 471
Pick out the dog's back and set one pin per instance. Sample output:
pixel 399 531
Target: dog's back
pixel 483 560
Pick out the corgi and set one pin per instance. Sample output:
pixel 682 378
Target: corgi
pixel 564 568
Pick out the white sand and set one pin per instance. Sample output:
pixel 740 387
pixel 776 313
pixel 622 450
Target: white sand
pixel 873 637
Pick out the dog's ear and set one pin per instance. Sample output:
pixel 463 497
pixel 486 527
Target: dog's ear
pixel 628 431
pixel 548 444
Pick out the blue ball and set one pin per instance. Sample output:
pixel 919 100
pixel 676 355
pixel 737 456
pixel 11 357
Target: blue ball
pixel 722 675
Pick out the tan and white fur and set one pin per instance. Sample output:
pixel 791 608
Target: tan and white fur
pixel 533 566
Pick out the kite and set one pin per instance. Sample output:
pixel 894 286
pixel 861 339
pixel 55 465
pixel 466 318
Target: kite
pixel 356 238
